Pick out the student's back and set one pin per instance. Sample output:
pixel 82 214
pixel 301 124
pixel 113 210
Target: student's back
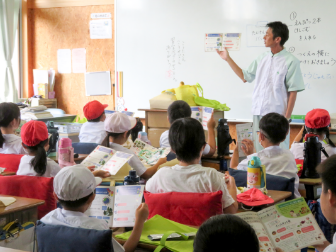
pixel 93 130
pixel 9 122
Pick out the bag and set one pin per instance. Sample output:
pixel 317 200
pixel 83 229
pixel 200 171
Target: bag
pixel 162 101
pixel 201 101
pixel 160 225
pixel 186 93
pixel 17 236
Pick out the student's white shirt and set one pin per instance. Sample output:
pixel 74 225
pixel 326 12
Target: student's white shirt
pixel 331 247
pixel 92 132
pixel 25 167
pixel 164 143
pixel 277 162
pixel 134 162
pixel 12 145
pixel 77 220
pixel 192 178
pixel 297 150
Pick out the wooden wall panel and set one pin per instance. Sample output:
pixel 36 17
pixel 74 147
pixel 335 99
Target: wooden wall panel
pixel 51 29
pixel 66 3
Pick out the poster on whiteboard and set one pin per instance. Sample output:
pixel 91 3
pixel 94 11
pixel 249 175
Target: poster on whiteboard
pixel 101 29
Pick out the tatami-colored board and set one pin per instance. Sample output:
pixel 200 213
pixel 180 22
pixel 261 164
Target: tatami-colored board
pixel 68 28
pixel 66 3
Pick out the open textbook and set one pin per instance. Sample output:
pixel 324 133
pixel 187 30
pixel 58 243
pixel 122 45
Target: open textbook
pixel 116 204
pixel 147 153
pixel 107 159
pixel 202 114
pixel 244 131
pixel 289 226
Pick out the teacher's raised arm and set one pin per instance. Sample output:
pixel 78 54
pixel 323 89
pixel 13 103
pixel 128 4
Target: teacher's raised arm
pixel 277 76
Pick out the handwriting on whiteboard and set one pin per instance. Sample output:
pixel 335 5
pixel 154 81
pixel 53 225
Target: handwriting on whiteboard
pixel 175 57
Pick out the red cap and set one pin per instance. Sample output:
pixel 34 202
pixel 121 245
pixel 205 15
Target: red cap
pixel 94 109
pixel 34 132
pixel 254 197
pixel 317 118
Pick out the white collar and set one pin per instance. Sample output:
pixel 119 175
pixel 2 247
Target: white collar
pixel 69 213
pixel 9 138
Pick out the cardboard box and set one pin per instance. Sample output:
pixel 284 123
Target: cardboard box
pixel 154 135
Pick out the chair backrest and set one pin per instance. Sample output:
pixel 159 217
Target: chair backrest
pixel 185 208
pixel 84 148
pixel 70 239
pixel 273 182
pixel 10 161
pixel 30 187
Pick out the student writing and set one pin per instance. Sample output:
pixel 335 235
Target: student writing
pixel 93 130
pixel 317 122
pixel 187 140
pixel 35 141
pixel 118 127
pixel 181 109
pixel 9 122
pixel 74 188
pixel 273 129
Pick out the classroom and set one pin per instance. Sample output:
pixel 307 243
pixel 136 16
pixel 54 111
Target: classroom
pixel 167 125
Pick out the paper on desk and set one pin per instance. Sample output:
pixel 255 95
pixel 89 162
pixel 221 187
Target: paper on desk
pixel 6 201
pixel 64 60
pixel 244 131
pixel 79 60
pixel 40 76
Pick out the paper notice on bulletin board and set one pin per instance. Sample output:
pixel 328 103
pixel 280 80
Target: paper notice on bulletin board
pixel 101 29
pixel 64 60
pixel 79 60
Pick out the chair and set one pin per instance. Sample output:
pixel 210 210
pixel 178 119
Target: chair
pixel 273 182
pixel 185 208
pixel 10 161
pixel 70 239
pixel 30 187
pixel 84 148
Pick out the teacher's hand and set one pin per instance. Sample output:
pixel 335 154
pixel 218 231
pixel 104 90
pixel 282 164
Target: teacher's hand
pixel 223 54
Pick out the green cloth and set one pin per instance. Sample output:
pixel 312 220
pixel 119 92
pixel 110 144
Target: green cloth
pixel 201 101
pixel 160 225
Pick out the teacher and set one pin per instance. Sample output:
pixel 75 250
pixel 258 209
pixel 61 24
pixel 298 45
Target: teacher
pixel 278 78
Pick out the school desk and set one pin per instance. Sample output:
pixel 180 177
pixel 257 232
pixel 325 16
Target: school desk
pixel 23 209
pixel 156 123
pixel 78 160
pixel 3 249
pixel 313 186
pixel 217 162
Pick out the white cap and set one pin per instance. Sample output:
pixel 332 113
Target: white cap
pixel 75 182
pixel 119 123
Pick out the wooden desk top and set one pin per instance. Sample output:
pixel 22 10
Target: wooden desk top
pixel 3 249
pixel 311 181
pixel 165 110
pixel 81 157
pixel 278 196
pixel 20 204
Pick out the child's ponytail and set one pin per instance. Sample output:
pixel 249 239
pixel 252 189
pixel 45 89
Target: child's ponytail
pixel 39 162
pixel 8 112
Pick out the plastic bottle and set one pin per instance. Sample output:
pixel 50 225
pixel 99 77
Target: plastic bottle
pixel 132 178
pixel 65 152
pixel 143 137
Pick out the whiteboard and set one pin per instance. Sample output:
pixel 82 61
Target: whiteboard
pixel 160 43
pixel 98 83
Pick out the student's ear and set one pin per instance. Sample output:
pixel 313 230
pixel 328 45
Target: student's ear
pixel 332 198
pixel 15 123
pixel 103 117
pixel 55 196
pixel 91 198
pixel 125 134
pixel 24 146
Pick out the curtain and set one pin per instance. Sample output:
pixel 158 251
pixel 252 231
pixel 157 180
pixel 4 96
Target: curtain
pixel 9 16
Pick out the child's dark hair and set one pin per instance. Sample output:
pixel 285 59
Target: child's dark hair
pixel 74 204
pixel 186 138
pixel 275 127
pixel 178 109
pixel 279 29
pixel 8 112
pixel 320 132
pixel 106 141
pixel 39 162
pixel 327 171
pixel 97 119
pixel 137 128
pixel 226 230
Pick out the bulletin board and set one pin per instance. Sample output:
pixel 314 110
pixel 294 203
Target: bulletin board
pixel 50 29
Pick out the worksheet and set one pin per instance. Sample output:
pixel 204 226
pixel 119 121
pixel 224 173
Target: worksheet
pixel 232 41
pixel 202 114
pixel 244 131
pixel 147 153
pixel 213 41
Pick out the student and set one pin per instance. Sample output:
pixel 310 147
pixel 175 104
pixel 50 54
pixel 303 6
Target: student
pixel 9 122
pixel 35 141
pixel 93 130
pixel 74 187
pixel 118 127
pixel 187 140
pixel 181 109
pixel 317 122
pixel 273 129
pixel 225 231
